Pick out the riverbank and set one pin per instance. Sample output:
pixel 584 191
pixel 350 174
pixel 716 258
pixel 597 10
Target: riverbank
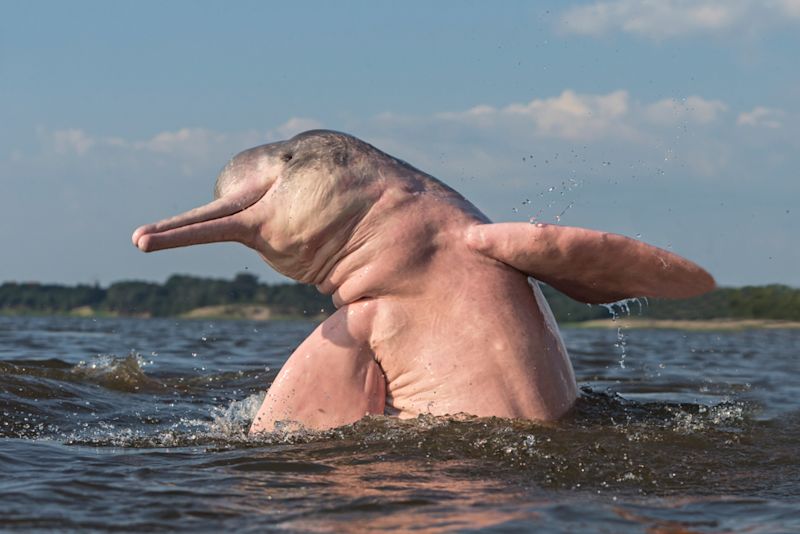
pixel 227 312
pixel 245 297
pixel 245 312
pixel 252 312
pixel 693 325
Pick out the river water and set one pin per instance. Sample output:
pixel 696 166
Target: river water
pixel 134 424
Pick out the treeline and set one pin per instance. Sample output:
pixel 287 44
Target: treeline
pixel 181 294
pixel 776 302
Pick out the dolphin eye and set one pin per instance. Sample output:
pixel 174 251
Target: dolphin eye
pixel 287 156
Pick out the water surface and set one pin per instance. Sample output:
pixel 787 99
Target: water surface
pixel 141 425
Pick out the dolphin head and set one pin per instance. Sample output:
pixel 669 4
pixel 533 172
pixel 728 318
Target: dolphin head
pixel 297 203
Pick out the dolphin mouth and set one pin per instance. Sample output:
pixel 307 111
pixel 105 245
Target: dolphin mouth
pixel 224 219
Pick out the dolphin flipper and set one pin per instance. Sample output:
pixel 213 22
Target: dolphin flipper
pixel 330 380
pixel 589 265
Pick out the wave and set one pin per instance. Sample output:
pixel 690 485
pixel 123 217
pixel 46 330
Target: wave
pixel 605 441
pixel 594 412
pixel 115 373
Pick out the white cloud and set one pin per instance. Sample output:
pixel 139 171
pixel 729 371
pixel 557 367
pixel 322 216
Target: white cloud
pixel 294 126
pixel 612 119
pixel 481 140
pixel 186 141
pixel 574 116
pixel 611 135
pixel 181 143
pixel 693 109
pixel 569 115
pixel 72 140
pixel 790 8
pixel 187 150
pixel 661 19
pixel 478 112
pixel 761 116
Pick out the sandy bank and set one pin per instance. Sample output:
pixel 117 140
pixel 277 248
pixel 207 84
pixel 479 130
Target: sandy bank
pixel 230 311
pixel 249 312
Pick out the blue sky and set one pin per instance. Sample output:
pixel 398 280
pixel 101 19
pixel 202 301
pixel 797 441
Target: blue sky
pixel 674 121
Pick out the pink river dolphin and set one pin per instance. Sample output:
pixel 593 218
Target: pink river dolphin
pixel 436 313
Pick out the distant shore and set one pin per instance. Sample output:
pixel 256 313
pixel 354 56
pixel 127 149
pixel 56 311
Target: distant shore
pixel 252 312
pixel 244 297
pixel 226 312
pixel 245 312
pixel 694 324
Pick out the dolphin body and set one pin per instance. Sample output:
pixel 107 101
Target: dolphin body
pixel 435 311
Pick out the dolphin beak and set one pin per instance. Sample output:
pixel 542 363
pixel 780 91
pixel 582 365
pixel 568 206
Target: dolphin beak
pixel 223 219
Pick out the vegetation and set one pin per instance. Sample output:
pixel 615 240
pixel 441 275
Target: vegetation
pixel 181 294
pixel 776 302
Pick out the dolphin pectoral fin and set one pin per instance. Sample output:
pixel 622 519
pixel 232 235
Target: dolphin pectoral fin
pixel 329 381
pixel 589 265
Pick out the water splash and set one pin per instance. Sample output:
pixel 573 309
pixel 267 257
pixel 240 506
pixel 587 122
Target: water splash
pixel 616 310
pixel 117 373
pixel 550 197
pixel 235 419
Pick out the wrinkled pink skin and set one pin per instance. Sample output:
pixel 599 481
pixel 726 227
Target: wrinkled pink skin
pixel 435 311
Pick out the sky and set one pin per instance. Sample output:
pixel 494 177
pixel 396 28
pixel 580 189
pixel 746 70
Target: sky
pixel 672 121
